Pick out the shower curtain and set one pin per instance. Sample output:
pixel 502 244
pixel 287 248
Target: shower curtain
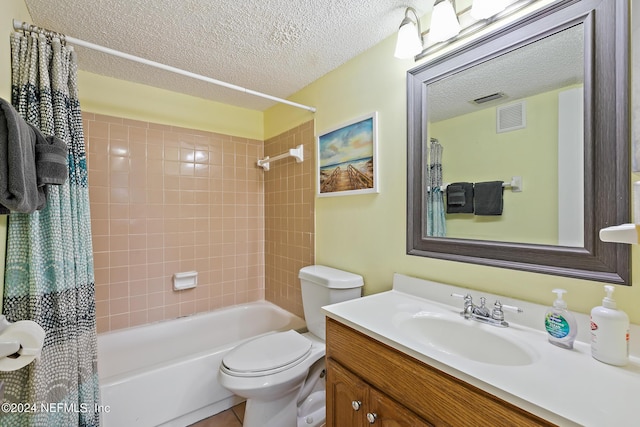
pixel 436 225
pixel 49 261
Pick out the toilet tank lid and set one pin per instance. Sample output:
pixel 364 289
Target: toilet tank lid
pixel 331 277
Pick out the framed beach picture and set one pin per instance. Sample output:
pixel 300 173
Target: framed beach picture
pixel 347 158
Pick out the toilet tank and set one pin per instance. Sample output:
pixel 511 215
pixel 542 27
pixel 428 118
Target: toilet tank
pixel 322 286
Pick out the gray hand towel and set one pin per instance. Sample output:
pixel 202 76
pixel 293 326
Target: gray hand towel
pixel 18 182
pixel 487 198
pixel 51 159
pixel 460 197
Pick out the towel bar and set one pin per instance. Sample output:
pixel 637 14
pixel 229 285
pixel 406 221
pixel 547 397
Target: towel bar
pixel 297 152
pixel 515 184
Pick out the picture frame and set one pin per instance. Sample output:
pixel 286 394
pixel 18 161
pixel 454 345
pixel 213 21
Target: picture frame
pixel 348 158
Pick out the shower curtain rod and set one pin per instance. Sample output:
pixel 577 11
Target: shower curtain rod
pixel 23 26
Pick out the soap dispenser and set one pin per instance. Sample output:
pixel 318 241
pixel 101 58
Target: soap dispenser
pixel 560 323
pixel 610 332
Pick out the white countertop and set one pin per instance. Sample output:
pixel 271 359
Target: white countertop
pixel 566 387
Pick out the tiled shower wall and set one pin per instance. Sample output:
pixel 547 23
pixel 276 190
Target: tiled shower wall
pixel 166 200
pixel 289 217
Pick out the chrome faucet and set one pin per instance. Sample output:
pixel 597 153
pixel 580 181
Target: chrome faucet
pixel 482 314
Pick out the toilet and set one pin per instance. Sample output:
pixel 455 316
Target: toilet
pixel 281 374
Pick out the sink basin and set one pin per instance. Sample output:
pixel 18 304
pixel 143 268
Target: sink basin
pixel 466 338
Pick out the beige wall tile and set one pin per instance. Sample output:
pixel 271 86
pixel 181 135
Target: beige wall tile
pixel 156 202
pixel 289 223
pixel 166 199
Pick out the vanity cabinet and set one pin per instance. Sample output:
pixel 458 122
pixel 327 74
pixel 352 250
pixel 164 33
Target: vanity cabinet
pixel 366 377
pixel 355 403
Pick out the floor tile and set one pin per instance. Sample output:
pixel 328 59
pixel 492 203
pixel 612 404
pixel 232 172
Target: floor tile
pixel 230 418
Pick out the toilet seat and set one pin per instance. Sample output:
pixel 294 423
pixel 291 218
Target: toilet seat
pixel 267 355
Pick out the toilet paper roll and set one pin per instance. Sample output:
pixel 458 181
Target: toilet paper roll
pixel 30 335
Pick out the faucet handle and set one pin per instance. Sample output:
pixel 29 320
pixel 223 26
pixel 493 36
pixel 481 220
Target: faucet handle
pixel 498 310
pixel 468 304
pixel 512 308
pixel 497 313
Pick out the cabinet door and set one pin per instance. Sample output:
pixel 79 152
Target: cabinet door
pixel 346 397
pixel 386 412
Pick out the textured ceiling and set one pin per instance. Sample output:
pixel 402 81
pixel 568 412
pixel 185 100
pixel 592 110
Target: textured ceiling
pixel 551 63
pixel 273 46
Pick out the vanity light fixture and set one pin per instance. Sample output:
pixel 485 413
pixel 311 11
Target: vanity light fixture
pixel 444 21
pixel 409 41
pixel 445 24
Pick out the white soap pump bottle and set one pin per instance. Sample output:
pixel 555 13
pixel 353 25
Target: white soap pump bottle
pixel 560 323
pixel 610 332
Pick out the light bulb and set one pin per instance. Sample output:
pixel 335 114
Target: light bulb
pixel 444 22
pixel 409 42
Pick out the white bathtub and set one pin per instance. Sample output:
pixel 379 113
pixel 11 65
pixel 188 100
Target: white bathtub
pixel 165 374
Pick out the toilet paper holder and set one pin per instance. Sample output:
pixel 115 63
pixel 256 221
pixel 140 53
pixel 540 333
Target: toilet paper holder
pixel 10 346
pixel 7 348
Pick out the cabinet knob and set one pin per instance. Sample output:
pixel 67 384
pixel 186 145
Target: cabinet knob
pixel 356 404
pixel 371 417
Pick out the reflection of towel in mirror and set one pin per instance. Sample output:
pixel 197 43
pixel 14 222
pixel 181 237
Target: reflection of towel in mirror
pixel 487 197
pixel 21 186
pixel 460 197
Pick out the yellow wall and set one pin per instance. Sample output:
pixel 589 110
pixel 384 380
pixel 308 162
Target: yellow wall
pixel 475 152
pixel 106 95
pixel 366 233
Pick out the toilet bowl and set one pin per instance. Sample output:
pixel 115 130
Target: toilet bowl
pixel 282 362
pixel 282 374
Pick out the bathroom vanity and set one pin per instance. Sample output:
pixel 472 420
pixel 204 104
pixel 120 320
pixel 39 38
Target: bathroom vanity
pixel 369 382
pixel 407 358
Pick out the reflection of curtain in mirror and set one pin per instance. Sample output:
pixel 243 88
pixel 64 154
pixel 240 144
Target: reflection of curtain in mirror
pixel 436 226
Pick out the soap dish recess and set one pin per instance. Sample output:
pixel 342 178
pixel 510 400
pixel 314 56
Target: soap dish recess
pixel 185 280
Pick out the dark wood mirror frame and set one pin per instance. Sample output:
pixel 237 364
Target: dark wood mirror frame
pixel 606 144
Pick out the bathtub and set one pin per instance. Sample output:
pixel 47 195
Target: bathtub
pixel 165 373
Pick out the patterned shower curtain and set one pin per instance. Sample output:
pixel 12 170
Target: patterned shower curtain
pixel 49 267
pixel 436 223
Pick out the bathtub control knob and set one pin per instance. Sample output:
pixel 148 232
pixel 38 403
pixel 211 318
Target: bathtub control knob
pixel 356 405
pixel 371 417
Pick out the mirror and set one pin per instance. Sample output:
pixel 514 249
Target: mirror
pixel 519 114
pixel 554 126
